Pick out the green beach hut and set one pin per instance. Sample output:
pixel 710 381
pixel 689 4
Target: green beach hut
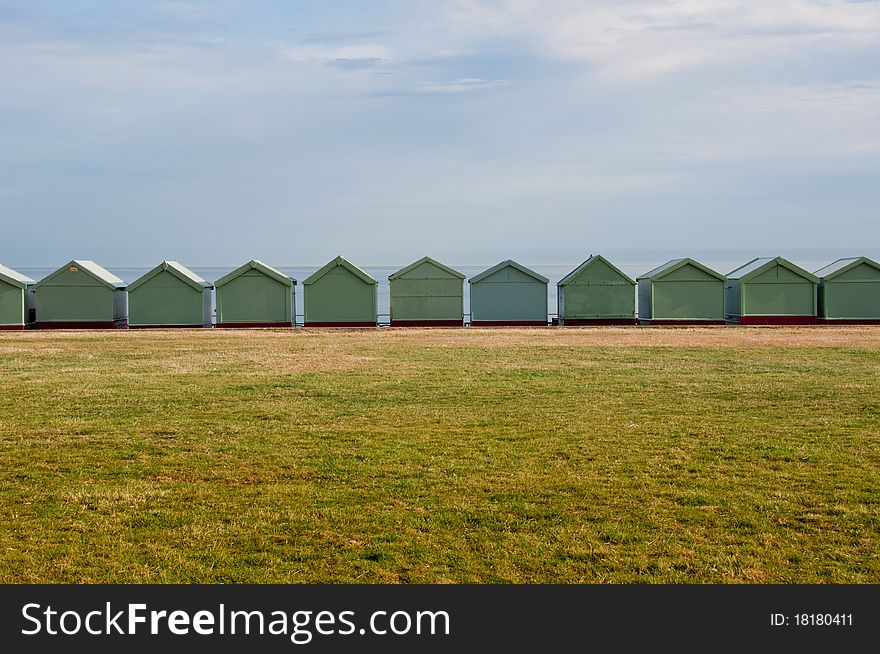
pixel 170 295
pixel 596 293
pixel 81 295
pixel 16 299
pixel 340 295
pixel 508 294
pixel 681 292
pixel 849 291
pixel 255 295
pixel 770 291
pixel 428 294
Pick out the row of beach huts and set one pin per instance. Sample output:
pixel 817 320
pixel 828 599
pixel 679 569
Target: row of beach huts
pixel 83 294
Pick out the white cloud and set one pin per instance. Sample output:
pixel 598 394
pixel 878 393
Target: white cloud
pixel 647 37
pixel 352 52
pixel 460 85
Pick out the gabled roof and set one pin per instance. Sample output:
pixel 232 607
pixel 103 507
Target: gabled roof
pixel 253 264
pixel 10 276
pixel 180 271
pixel 504 264
pixel 841 266
pixel 594 259
pixel 756 266
pixel 92 269
pixel 416 264
pixel 345 263
pixel 675 264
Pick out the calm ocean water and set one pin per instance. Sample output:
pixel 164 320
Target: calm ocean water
pixel 552 272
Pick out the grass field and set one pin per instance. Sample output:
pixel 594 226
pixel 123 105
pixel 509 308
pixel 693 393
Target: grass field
pixel 577 455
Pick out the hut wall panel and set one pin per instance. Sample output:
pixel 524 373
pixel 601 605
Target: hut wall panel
pixel 427 308
pixel 426 270
pixel 254 299
pixel 79 278
pixel 688 273
pixel 408 287
pixel 165 300
pixel 71 303
pixel 783 299
pixel 599 272
pixel 12 305
pixel 776 274
pixel 862 272
pixel 857 300
pixel 340 297
pixel 508 275
pixel 208 307
pixel 599 300
pixel 427 298
pixel 689 300
pixel 509 301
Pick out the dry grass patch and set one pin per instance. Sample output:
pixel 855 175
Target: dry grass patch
pixel 441 455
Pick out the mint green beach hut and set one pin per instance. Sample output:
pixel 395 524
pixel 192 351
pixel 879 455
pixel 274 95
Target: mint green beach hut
pixel 849 291
pixel 340 295
pixel 770 291
pixel 16 299
pixel 508 294
pixel 681 292
pixel 596 293
pixel 255 295
pixel 81 295
pixel 170 295
pixel 427 293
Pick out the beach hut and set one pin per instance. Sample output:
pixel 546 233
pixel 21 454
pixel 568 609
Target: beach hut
pixel 255 295
pixel 16 299
pixel 426 293
pixel 340 295
pixel 596 293
pixel 170 295
pixel 849 291
pixel 770 291
pixel 81 295
pixel 681 292
pixel 508 294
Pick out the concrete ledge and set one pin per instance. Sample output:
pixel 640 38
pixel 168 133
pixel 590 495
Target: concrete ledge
pixel 246 325
pixel 850 321
pixel 196 326
pixel 683 323
pixel 776 320
pixel 596 322
pixel 508 323
pixel 427 323
pixel 340 324
pixel 81 324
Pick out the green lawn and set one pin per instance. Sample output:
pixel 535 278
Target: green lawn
pixel 579 455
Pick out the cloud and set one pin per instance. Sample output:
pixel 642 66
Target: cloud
pixel 348 52
pixel 460 85
pixel 648 38
pixel 484 113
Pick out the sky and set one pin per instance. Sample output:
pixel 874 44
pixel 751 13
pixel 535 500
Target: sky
pixel 468 130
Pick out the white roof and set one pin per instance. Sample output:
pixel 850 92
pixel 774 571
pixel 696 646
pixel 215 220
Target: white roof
pixel 842 264
pixel 13 276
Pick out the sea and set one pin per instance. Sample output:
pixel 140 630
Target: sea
pixel 553 272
